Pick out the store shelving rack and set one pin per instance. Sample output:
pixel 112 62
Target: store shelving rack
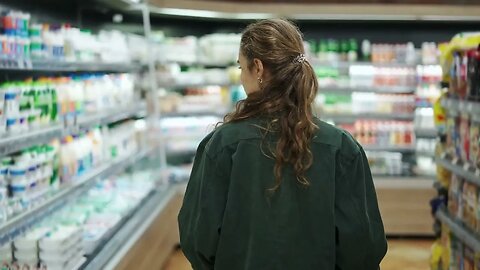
pixel 365 89
pixel 16 225
pixel 347 64
pixel 426 133
pixel 194 85
pixel 465 170
pixel 421 186
pixel 55 199
pixel 129 230
pixel 463 233
pixel 352 117
pixel 11 143
pixel 456 106
pixel 43 67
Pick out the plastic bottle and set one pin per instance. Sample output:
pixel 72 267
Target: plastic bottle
pixel 12 100
pixel 333 51
pixel 410 54
pixel 68 165
pixel 352 52
pixel 344 49
pixel 322 50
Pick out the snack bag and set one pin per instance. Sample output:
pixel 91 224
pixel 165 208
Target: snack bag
pixel 436 256
pixel 468 259
pixel 454 198
pixel 470 205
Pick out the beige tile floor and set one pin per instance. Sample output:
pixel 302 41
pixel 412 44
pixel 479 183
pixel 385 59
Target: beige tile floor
pixel 403 254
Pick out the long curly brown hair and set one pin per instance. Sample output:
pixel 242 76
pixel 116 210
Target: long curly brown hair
pixel 285 97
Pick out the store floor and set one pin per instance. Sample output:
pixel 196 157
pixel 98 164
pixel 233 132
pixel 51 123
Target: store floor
pixel 405 254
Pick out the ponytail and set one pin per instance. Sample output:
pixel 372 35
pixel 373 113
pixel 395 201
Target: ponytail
pixel 286 97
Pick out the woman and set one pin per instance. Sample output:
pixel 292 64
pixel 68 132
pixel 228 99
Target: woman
pixel 274 187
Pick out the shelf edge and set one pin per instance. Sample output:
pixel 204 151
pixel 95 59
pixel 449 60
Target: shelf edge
pixel 464 234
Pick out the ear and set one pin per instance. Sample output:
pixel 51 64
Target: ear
pixel 258 67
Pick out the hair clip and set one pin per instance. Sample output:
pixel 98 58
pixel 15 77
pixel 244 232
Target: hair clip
pixel 300 58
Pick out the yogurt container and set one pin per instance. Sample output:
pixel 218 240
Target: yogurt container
pixel 57 258
pixel 26 256
pixel 71 264
pixel 6 253
pixel 4 166
pixel 62 239
pixel 30 240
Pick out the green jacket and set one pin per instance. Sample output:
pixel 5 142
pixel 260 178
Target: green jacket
pixel 229 221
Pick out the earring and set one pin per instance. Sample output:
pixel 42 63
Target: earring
pixel 260 81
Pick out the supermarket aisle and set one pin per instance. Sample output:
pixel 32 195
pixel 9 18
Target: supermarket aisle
pixel 402 254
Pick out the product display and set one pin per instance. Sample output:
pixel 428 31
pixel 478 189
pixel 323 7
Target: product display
pixel 73 166
pixel 386 163
pixel 27 177
pixel 62 240
pixel 15 42
pixel 188 127
pixel 428 88
pixel 30 176
pixel 214 49
pixel 367 103
pixel 367 75
pixel 32 104
pixel 332 50
pixel 458 152
pixel 24 42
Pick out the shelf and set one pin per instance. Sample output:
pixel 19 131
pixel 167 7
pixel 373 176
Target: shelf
pixel 218 113
pixel 129 230
pixel 424 153
pixel 16 142
pixel 426 133
pixel 372 89
pixel 464 170
pixel 198 64
pixel 463 233
pixel 402 149
pixel 56 199
pixel 67 67
pixel 195 85
pixel 346 64
pixel 457 106
pixel 112 116
pixel 350 118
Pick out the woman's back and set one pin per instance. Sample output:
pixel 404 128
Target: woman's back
pixel 274 187
pixel 231 219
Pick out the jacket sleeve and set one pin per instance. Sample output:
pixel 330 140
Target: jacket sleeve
pixel 201 215
pixel 360 236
